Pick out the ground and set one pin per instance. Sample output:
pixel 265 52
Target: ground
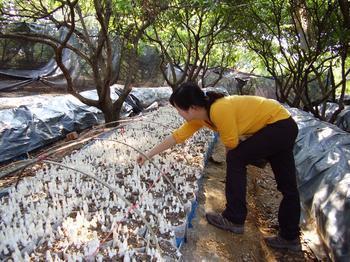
pixel 205 242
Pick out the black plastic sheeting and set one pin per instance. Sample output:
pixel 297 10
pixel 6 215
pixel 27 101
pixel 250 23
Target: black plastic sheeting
pixel 49 74
pixel 29 127
pixel 26 128
pixel 343 119
pixel 17 72
pixel 322 156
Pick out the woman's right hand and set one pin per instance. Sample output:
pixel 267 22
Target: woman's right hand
pixel 168 142
pixel 141 159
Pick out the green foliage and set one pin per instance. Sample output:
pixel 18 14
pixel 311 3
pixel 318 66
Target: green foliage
pixel 270 30
pixel 193 33
pixel 209 33
pixel 299 42
pixel 246 60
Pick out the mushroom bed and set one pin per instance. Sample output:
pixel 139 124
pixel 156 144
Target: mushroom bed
pixel 99 204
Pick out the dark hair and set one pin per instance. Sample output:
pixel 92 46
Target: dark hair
pixel 190 94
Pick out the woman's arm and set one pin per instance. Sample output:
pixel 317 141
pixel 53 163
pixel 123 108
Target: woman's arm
pixel 168 142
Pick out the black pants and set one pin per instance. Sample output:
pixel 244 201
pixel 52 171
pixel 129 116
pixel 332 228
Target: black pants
pixel 275 143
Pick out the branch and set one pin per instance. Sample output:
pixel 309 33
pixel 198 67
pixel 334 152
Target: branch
pixel 45 39
pixel 34 16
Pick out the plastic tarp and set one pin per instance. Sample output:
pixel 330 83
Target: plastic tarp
pixel 322 156
pixel 26 72
pixel 149 95
pixel 29 127
pixel 343 119
pixel 40 121
pixel 21 66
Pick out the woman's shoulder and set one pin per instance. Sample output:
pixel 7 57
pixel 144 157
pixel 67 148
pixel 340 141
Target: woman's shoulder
pixel 221 107
pixel 229 103
pixel 224 101
pixel 243 99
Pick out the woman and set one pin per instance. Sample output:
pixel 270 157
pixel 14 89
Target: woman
pixel 272 133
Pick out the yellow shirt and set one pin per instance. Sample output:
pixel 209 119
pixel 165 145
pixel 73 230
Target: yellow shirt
pixel 235 116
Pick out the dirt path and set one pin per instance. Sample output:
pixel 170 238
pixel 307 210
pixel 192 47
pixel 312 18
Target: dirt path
pixel 207 243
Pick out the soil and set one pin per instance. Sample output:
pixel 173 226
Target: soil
pixel 208 243
pixel 204 241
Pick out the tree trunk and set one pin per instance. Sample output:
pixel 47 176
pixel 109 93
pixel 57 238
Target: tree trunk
pixel 111 115
pixel 302 23
pixel 345 10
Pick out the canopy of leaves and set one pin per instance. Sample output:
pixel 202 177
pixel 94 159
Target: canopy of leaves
pixel 299 42
pixel 193 34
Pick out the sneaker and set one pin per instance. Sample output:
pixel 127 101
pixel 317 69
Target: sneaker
pixel 281 243
pixel 219 221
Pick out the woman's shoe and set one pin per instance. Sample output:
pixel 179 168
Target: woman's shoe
pixel 281 243
pixel 219 221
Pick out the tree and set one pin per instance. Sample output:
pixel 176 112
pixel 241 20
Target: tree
pixel 191 37
pixel 95 25
pixel 300 43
